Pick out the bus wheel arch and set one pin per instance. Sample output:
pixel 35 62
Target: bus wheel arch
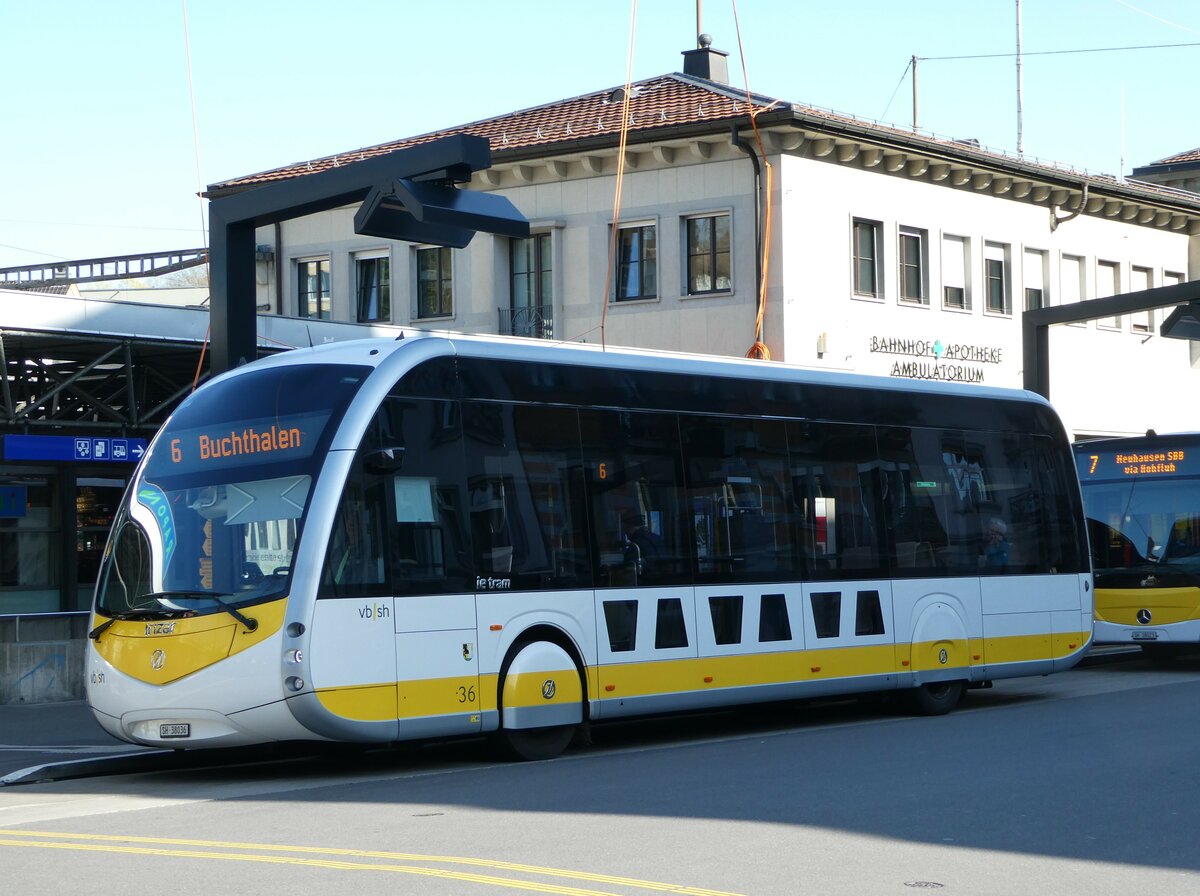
pixel 939 656
pixel 541 693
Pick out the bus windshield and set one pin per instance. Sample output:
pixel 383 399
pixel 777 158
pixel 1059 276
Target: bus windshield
pixel 1143 525
pixel 214 514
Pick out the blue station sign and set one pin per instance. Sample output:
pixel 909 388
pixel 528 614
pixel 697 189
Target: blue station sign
pixel 74 448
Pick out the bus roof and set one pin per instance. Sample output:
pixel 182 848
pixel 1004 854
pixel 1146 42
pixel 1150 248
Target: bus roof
pixel 420 345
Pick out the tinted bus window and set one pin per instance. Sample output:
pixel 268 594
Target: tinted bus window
pixel 931 487
pixel 525 487
pixel 836 489
pixel 415 449
pixel 743 519
pixel 637 500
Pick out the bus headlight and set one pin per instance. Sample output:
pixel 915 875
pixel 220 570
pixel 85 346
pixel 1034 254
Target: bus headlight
pixel 294 656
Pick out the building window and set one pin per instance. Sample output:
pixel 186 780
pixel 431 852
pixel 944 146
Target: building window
pixel 435 288
pixel 995 276
pixel 956 290
pixel 373 289
pixel 531 288
pixel 1140 279
pixel 30 539
pixel 1108 284
pixel 1073 288
pixel 1035 279
pixel 913 265
pixel 708 255
pixel 313 279
pixel 866 257
pixel 637 263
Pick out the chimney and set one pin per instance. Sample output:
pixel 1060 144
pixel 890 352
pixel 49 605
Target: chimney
pixel 705 62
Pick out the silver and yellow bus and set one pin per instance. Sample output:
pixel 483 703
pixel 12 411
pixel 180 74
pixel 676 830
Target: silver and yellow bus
pixel 436 536
pixel 1142 500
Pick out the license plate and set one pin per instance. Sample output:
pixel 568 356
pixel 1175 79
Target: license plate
pixel 1145 636
pixel 176 729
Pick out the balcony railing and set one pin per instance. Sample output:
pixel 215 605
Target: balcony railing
pixel 537 322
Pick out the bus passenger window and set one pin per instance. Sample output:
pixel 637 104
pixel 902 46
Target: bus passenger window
pixel 490 529
pixel 670 630
pixel 868 614
pixel 743 521
pixel 354 561
pixel 633 472
pixel 827 613
pixel 836 488
pixel 525 480
pixel 726 615
pixel 428 534
pixel 773 622
pixel 928 478
pixel 620 616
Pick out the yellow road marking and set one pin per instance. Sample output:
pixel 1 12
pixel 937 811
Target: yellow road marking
pixel 106 843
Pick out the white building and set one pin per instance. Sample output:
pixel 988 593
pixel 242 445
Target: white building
pixel 886 251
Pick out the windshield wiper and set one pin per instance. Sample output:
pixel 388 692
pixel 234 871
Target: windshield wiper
pixel 250 623
pixel 131 613
pixel 95 633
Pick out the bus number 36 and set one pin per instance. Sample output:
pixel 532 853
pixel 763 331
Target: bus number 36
pixel 466 695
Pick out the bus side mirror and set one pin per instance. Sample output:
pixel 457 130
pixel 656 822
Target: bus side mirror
pixel 384 461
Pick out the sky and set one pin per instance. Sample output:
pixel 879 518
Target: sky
pixel 116 114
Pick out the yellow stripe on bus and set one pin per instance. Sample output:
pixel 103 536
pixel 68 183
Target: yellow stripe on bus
pixel 424 698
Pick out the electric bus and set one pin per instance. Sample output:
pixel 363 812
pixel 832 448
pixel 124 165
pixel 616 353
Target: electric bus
pixel 376 541
pixel 1142 500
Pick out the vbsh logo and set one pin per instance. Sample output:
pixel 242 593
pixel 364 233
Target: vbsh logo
pixel 375 611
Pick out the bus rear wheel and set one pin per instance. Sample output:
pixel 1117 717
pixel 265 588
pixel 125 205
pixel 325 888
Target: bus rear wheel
pixel 935 698
pixel 535 744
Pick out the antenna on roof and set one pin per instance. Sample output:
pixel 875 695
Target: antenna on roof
pixel 1020 126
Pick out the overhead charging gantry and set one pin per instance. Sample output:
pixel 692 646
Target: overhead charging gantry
pixel 1182 323
pixel 409 194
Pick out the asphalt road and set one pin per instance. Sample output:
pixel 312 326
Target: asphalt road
pixel 1084 782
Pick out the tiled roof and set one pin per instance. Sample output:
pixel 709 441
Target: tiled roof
pixel 669 100
pixel 1192 155
pixel 678 101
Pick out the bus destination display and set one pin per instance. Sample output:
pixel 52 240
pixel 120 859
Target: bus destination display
pixel 1130 462
pixel 236 444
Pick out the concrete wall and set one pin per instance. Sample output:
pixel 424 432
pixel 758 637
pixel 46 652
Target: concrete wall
pixel 42 658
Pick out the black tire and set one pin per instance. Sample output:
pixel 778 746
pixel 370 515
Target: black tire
pixel 936 698
pixel 535 744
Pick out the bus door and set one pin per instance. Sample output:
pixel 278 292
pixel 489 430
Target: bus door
pixel 644 633
pixel 420 459
pixel 847 601
pixel 848 631
pixel 645 601
pixel 645 615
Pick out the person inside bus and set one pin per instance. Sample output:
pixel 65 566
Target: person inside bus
pixel 641 544
pixel 1180 542
pixel 995 545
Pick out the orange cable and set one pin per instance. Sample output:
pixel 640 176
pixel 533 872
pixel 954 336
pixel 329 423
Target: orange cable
pixel 612 240
pixel 200 363
pixel 759 349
